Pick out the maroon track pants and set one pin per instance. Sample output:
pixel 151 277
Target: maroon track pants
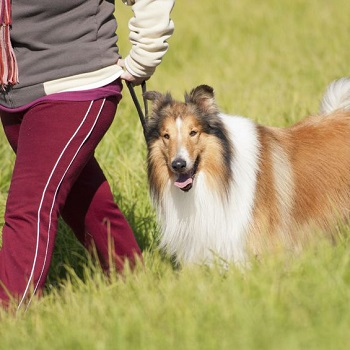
pixel 56 173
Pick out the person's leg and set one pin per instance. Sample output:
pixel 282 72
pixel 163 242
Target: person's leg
pixel 90 203
pixel 56 140
pixel 97 221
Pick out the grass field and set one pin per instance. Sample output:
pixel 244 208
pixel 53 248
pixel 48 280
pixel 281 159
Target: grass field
pixel 270 60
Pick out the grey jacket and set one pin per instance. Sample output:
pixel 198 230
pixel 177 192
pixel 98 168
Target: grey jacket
pixel 71 45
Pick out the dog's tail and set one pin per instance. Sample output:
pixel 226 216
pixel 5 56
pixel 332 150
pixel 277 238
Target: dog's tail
pixel 337 96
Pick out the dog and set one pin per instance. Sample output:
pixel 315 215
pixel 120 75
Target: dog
pixel 225 187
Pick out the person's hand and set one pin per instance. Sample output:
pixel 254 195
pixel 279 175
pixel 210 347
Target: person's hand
pixel 128 76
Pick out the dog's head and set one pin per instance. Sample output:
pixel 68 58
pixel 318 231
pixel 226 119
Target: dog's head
pixel 183 136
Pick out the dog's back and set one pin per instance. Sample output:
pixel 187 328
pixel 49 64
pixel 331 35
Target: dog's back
pixel 304 175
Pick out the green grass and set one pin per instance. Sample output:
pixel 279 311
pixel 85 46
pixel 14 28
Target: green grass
pixel 269 60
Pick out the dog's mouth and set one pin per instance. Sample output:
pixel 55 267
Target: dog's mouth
pixel 184 181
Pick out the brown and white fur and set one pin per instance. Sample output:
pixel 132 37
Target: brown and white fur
pixel 224 186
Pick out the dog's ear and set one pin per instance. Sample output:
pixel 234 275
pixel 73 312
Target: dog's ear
pixel 153 96
pixel 158 100
pixel 203 97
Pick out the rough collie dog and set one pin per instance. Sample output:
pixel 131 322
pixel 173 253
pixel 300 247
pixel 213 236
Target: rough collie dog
pixel 224 186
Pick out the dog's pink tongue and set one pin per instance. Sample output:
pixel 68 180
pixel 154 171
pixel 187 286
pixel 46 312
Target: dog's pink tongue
pixel 183 180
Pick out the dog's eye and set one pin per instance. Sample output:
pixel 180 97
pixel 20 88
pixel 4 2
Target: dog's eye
pixel 193 133
pixel 166 136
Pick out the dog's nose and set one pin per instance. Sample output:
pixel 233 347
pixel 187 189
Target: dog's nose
pixel 178 164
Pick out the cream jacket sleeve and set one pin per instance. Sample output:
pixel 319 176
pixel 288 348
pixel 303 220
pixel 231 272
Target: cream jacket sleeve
pixel 150 28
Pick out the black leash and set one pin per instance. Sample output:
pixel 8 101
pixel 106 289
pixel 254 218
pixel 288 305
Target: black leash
pixel 143 117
